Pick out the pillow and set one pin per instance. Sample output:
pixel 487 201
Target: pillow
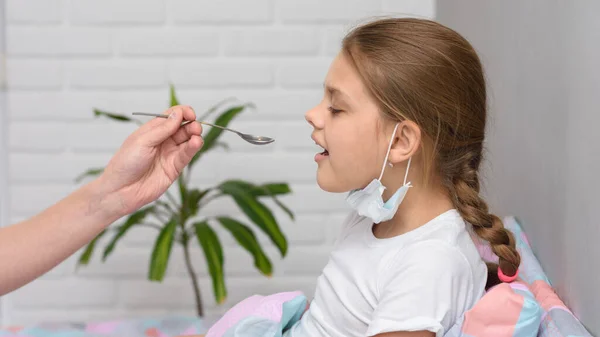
pixel 506 310
pixel 556 319
pixel 264 316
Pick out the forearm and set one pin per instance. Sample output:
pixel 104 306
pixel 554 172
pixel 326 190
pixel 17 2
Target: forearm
pixel 33 247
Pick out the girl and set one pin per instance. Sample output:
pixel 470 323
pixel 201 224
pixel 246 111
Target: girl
pixel 403 121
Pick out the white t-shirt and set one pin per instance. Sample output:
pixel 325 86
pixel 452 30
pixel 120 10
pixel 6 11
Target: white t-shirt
pixel 421 280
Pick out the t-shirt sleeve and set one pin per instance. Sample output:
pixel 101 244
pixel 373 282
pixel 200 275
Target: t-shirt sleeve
pixel 426 286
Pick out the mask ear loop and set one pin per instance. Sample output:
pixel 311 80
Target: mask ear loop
pixel 386 158
pixel 388 153
pixel 406 174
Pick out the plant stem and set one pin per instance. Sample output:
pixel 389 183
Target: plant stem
pixel 209 199
pixel 190 269
pixel 172 199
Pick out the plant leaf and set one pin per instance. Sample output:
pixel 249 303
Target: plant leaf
pixel 194 197
pixel 214 108
pixel 85 257
pixel 173 98
pixel 118 117
pixel 213 135
pixel 246 238
pixel 162 251
pixel 132 220
pixel 182 192
pixel 283 207
pixel 213 252
pixel 90 172
pixel 270 190
pixel 257 212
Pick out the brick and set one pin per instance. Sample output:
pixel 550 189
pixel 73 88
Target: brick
pixel 410 8
pixel 33 11
pixel 58 41
pixel 65 293
pixel 288 41
pixel 117 12
pixel 270 103
pixel 303 73
pixel 117 74
pixel 219 12
pixel 52 168
pixel 296 136
pixel 34 73
pixel 37 136
pixel 307 261
pixel 165 41
pixel 269 167
pixel 309 197
pixel 305 229
pixel 332 11
pixel 122 263
pixel 88 136
pixel 56 136
pixel 241 288
pixel 333 39
pixel 141 237
pixel 220 74
pixel 50 106
pixel 335 222
pixel 30 199
pixel 169 294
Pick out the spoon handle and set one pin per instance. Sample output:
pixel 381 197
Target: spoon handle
pixel 186 122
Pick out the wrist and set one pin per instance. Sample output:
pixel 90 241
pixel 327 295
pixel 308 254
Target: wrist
pixel 103 202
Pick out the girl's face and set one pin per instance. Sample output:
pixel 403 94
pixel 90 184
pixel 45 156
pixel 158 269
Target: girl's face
pixel 348 126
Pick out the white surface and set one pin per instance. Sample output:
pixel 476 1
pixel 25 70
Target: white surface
pixel 541 61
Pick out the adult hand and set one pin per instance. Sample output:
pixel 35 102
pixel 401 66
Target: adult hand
pixel 151 159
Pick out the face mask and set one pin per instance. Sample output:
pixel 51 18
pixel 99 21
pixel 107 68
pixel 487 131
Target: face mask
pixel 368 201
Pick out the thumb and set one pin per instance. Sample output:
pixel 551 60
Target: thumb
pixel 164 128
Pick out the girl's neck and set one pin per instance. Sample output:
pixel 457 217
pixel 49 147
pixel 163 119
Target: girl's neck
pixel 421 205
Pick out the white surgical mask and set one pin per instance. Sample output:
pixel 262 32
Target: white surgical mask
pixel 368 201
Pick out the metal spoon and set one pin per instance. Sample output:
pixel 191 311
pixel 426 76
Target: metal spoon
pixel 257 140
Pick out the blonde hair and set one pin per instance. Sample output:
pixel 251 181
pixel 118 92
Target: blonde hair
pixel 422 71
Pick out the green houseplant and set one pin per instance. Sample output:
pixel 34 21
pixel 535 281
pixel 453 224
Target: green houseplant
pixel 179 220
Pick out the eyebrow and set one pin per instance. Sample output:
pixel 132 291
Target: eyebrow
pixel 333 90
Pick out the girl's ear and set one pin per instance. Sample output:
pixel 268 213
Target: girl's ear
pixel 406 142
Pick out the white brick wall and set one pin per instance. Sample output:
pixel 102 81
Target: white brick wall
pixel 67 57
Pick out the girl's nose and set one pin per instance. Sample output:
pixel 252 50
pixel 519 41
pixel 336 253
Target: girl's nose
pixel 314 118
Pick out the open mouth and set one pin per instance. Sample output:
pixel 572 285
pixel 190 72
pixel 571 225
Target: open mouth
pixel 324 152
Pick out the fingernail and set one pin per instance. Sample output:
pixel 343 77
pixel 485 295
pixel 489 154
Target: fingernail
pixel 173 115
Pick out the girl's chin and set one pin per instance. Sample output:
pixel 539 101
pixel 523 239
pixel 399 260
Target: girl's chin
pixel 327 182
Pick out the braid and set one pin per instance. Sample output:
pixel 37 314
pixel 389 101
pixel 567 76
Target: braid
pixel 464 188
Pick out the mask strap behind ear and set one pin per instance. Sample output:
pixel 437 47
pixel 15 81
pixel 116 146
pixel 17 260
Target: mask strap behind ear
pixel 407 168
pixel 388 152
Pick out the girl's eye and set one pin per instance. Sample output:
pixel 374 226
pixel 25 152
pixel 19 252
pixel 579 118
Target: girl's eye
pixel 334 111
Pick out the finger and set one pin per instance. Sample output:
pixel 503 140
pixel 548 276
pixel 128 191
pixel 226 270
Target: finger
pixel 160 130
pixel 188 113
pixel 186 151
pixel 185 132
